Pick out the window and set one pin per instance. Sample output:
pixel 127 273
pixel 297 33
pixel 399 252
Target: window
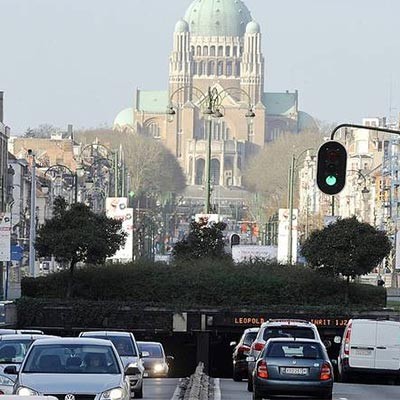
pixel 211 68
pixel 220 69
pixel 220 51
pixel 212 51
pixel 229 68
pixel 200 68
pixel 123 345
pixel 235 51
pixel 205 51
pixel 311 351
pixel 228 51
pixel 198 51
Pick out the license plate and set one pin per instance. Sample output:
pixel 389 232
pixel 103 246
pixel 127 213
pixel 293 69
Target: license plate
pixel 362 352
pixel 294 371
pixel 145 374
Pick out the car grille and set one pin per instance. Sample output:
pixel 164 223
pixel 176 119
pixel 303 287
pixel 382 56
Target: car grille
pixel 77 396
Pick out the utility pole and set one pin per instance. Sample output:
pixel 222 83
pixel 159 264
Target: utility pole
pixel 291 196
pixel 32 228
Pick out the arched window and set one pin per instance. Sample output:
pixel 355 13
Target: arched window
pixel 211 68
pixel 194 68
pixel 200 68
pixel 200 170
pixel 205 51
pixel 235 51
pixel 228 51
pixel 220 51
pixel 229 68
pixel 215 171
pixel 212 51
pixel 192 50
pixel 220 68
pixel 153 130
pixel 198 51
pixel 238 69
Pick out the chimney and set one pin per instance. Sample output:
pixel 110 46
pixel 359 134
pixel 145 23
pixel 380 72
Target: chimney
pixel 1 106
pixel 70 132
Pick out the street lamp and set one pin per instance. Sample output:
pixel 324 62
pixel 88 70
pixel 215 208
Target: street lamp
pixel 211 104
pixel 59 171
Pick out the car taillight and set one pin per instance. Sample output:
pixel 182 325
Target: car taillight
pixel 243 349
pixel 258 346
pixel 262 370
pixel 347 341
pixel 326 372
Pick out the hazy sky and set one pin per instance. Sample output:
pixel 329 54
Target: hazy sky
pixel 79 61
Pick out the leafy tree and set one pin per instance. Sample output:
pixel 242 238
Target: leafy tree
pixel 43 131
pixel 347 247
pixel 76 234
pixel 204 241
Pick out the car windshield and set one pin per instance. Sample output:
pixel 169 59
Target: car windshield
pixel 13 351
pixel 288 331
pixel 310 351
pixel 249 338
pixel 123 344
pixel 71 359
pixel 154 350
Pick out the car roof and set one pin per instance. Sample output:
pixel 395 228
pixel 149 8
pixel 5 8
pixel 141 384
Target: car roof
pixel 249 330
pixel 105 333
pixel 292 340
pixel 154 343
pixel 287 322
pixel 80 340
pixel 25 336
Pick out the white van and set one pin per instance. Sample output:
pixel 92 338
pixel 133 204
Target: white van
pixel 369 346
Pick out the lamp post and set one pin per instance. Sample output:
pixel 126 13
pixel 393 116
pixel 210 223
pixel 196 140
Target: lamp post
pixel 32 224
pixel 211 104
pixel 58 171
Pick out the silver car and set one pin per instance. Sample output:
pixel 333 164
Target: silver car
pixel 128 350
pixel 74 369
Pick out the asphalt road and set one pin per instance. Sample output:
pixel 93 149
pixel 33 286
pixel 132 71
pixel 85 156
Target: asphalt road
pixel 238 391
pixel 159 389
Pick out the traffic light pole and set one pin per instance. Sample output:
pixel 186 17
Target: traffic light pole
pixel 291 192
pixel 368 128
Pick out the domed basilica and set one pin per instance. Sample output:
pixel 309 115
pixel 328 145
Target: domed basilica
pixel 216 45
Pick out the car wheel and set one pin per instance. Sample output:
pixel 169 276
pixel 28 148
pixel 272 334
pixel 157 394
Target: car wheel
pixel 250 384
pixel 236 376
pixel 139 393
pixel 256 395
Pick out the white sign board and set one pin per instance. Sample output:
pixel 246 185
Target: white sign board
pixel 116 208
pixel 5 237
pixel 252 253
pixel 397 250
pixel 283 236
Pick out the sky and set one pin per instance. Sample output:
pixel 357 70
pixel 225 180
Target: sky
pixel 79 61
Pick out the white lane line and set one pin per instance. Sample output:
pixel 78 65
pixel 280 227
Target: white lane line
pixel 343 398
pixel 217 389
pixel 177 391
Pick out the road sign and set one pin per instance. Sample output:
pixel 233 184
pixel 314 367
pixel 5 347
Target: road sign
pixel 17 253
pixel 5 237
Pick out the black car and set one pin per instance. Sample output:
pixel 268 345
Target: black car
pixel 156 363
pixel 293 367
pixel 240 353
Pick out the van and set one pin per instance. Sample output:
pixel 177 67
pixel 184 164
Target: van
pixel 369 347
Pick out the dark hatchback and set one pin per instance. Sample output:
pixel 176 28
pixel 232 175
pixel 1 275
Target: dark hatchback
pixel 290 367
pixel 240 353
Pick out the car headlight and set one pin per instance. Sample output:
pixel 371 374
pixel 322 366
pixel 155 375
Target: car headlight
pixel 158 367
pixel 113 394
pixel 24 391
pixel 6 381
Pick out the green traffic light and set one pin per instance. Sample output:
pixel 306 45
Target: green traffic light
pixel 331 180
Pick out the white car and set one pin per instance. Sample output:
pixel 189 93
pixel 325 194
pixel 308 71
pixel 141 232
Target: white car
pixel 278 328
pixel 370 346
pixel 74 369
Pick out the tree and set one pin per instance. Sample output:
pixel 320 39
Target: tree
pixel 204 241
pixel 43 131
pixel 152 167
pixel 347 247
pixel 76 234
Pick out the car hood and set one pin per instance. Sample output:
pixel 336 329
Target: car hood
pixel 126 360
pixel 149 362
pixel 70 383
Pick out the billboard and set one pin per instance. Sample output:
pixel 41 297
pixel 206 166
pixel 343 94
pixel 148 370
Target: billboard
pixel 283 236
pixel 117 208
pixel 253 253
pixel 5 237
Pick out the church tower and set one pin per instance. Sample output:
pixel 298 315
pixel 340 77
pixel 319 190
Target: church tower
pixel 181 64
pixel 252 69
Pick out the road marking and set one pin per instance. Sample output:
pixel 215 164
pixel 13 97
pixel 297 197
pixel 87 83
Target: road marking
pixel 217 389
pixel 343 398
pixel 175 396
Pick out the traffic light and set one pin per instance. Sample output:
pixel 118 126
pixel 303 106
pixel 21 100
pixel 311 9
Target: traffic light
pixel 331 168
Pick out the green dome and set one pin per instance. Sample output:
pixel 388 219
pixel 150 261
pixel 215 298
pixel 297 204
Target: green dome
pixel 253 27
pixel 124 119
pixel 218 17
pixel 181 26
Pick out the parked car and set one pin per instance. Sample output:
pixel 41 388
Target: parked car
pixel 82 368
pixel 370 347
pixel 240 366
pixel 293 367
pixel 13 349
pixel 279 328
pixel 127 349
pixel 155 362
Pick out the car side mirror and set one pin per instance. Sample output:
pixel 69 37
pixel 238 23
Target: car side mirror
pixel 11 370
pixel 170 358
pixel 327 343
pixel 232 344
pixel 144 354
pixel 132 370
pixel 250 359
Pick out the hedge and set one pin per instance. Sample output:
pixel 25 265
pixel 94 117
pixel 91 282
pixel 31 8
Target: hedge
pixel 206 284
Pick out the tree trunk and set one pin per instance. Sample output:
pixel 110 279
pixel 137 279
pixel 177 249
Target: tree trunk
pixel 70 288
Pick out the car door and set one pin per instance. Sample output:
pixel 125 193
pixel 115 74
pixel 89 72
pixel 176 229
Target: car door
pixel 388 345
pixel 362 344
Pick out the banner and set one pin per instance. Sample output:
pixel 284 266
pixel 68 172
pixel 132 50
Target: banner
pixel 117 208
pixel 283 236
pixel 5 237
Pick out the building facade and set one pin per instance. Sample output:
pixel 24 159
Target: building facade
pixel 216 45
pixel 4 135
